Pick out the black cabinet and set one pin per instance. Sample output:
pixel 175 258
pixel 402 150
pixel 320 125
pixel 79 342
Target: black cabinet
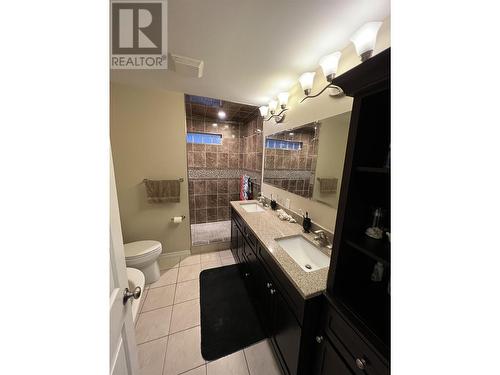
pixel 329 361
pixel 288 320
pixel 356 323
pixel 286 332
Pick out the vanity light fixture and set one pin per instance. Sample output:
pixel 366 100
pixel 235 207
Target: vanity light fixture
pixel 306 81
pixel 273 105
pixel 264 110
pixel 329 65
pixel 283 99
pixel 364 39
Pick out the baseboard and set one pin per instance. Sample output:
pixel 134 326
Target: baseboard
pixel 200 249
pixel 183 253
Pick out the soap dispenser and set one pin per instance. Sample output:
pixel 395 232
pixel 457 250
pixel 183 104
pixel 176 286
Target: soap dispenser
pixel 306 223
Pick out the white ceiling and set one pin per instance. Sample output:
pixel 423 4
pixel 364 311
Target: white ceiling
pixel 253 49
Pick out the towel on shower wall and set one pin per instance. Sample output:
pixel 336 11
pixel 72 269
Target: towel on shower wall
pixel 327 185
pixel 244 187
pixel 163 191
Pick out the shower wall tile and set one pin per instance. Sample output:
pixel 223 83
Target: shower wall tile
pixel 241 150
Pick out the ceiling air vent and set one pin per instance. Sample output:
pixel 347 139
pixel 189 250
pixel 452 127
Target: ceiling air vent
pixel 188 66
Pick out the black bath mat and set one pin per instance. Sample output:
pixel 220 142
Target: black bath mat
pixel 228 320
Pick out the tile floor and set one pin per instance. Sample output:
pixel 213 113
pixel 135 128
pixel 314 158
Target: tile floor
pixel 168 327
pixel 207 233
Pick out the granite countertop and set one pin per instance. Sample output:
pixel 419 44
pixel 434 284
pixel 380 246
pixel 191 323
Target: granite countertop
pixel 267 226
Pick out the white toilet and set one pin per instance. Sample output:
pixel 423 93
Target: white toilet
pixel 143 255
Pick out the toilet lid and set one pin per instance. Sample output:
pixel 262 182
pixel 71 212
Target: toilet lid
pixel 133 249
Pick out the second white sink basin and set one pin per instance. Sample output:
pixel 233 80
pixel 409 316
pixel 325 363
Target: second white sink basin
pixel 252 207
pixel 307 255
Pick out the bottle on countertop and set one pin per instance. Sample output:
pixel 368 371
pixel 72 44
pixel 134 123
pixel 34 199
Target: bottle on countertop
pixel 273 203
pixel 306 223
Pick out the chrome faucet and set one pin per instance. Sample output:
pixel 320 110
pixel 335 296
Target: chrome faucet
pixel 322 239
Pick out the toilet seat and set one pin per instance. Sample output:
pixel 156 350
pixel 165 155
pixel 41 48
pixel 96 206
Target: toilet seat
pixel 142 249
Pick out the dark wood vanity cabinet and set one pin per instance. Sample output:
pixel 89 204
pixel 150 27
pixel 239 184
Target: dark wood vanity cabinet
pixel 282 311
pixel 355 326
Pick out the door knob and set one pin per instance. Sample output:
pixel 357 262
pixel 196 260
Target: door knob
pixel 128 294
pixel 360 363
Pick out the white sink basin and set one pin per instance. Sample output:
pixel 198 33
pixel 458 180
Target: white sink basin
pixel 252 207
pixel 307 255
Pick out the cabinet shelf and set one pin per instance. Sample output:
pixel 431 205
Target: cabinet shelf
pixel 380 170
pixel 378 250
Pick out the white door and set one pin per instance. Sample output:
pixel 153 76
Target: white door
pixel 123 348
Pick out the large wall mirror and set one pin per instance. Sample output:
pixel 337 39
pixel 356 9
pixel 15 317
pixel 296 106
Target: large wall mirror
pixel 309 160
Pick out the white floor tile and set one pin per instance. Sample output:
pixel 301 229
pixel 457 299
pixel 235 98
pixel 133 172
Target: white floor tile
pixel 260 359
pixel 183 352
pixel 153 324
pixel 233 364
pixel 190 260
pixel 225 254
pixel 206 266
pixel 168 277
pixel 185 315
pixel 187 290
pixel 159 297
pixel 227 261
pixel 152 356
pixel 189 273
pixel 202 370
pixel 209 257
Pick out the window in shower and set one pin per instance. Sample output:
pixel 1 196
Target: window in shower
pixel 283 145
pixel 204 138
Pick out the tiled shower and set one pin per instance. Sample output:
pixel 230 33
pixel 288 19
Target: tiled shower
pixel 232 148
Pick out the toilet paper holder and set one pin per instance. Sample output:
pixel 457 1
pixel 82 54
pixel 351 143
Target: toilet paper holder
pixel 182 217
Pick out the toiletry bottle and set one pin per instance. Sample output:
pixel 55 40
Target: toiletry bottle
pixel 306 223
pixel 273 203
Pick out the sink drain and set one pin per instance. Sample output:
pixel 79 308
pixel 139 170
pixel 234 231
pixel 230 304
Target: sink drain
pixel 308 266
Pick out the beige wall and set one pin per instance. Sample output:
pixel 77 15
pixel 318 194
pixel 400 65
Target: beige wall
pixel 148 130
pixel 317 109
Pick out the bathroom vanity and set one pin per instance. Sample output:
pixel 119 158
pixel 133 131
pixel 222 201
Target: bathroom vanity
pixel 286 294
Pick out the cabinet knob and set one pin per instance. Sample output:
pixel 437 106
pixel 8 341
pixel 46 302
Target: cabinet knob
pixel 319 339
pixel 360 363
pixel 269 285
pixel 272 291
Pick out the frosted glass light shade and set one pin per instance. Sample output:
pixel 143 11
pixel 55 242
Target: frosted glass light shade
pixel 264 110
pixel 364 39
pixel 273 104
pixel 306 81
pixel 329 65
pixel 283 99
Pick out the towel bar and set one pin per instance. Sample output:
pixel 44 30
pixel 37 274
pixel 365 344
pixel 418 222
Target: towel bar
pixel 180 180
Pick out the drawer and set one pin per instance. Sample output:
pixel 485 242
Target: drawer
pixel 338 328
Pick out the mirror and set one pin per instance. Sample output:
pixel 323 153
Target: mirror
pixel 309 160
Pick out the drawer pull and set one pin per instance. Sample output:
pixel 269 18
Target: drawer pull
pixel 319 339
pixel 360 363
